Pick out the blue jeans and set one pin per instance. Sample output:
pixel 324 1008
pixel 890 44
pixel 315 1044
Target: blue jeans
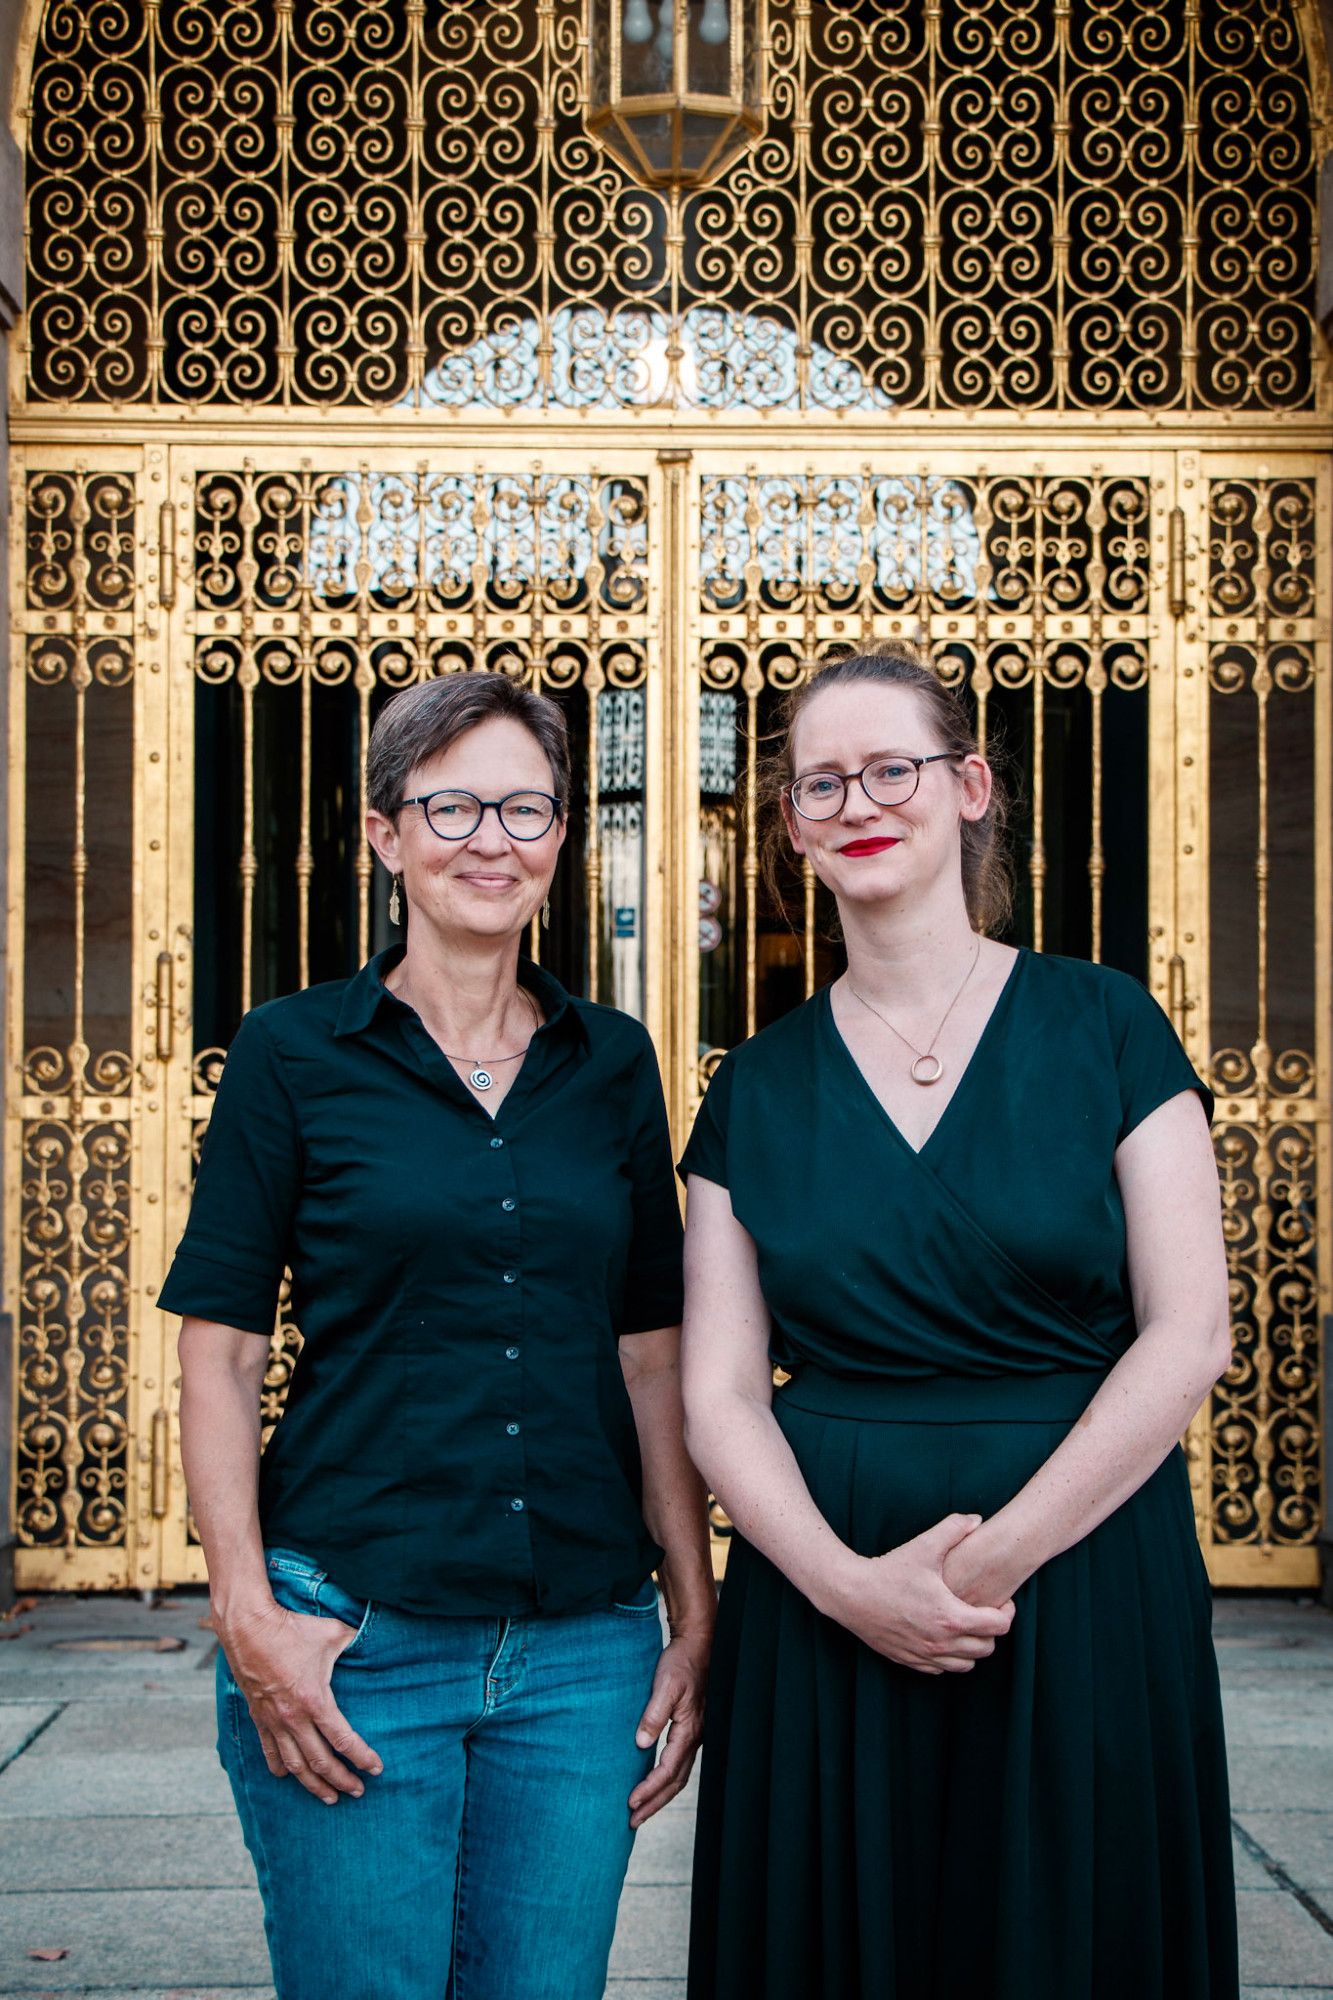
pixel 486 1861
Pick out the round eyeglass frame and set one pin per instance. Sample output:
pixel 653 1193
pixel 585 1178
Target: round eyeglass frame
pixel 900 798
pixel 423 799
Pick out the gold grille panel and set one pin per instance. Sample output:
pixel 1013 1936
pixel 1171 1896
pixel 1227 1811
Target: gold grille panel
pixel 953 207
pixel 79 1098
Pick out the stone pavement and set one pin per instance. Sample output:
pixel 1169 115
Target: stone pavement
pixel 118 1845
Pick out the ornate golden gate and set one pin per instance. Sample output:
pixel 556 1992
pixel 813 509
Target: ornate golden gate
pixel 711 465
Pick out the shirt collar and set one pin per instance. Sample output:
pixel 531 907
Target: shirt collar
pixel 367 993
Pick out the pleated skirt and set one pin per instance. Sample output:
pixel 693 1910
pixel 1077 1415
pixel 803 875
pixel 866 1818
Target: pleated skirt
pixel 1053 1825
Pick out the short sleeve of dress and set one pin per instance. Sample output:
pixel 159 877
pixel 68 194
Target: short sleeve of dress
pixel 706 1149
pixel 230 1262
pixel 1151 1065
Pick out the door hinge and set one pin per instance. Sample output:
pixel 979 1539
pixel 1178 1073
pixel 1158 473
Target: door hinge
pixel 166 554
pixel 1175 544
pixel 166 1024
pixel 161 1464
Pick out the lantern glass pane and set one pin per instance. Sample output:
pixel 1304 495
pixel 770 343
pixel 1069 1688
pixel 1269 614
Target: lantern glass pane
pixel 708 50
pixel 647 65
pixel 699 133
pixel 654 134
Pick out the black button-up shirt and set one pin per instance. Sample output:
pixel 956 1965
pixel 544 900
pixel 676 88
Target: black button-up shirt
pixel 457 1437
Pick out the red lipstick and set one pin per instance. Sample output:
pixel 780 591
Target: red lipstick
pixel 869 846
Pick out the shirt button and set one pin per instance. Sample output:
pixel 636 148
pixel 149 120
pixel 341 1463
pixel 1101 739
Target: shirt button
pixel 511 1277
pixel 516 1506
pixel 512 1430
pixel 508 1203
pixel 511 1354
pixel 496 1144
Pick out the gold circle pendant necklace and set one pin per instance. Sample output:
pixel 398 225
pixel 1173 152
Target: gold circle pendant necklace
pixel 927 1067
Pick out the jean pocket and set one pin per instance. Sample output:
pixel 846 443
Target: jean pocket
pixel 643 1604
pixel 358 1612
pixel 300 1584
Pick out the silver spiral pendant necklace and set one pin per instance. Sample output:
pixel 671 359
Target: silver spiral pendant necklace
pixel 926 1066
pixel 480 1076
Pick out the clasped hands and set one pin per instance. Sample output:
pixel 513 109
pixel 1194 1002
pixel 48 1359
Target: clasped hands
pixel 937 1603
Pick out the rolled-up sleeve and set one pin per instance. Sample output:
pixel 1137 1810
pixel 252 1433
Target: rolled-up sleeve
pixel 231 1259
pixel 654 1291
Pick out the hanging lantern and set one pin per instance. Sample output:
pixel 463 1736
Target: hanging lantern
pixel 675 87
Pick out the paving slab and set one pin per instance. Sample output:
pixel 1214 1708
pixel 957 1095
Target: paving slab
pixel 134 1938
pixel 1281 1942
pixel 1302 1843
pixel 663 1851
pixel 19 1724
pixel 652 1936
pixel 1266 1717
pixel 1250 1873
pixel 1264 1780
pixel 191 1851
pixel 114 1783
pixel 646 1989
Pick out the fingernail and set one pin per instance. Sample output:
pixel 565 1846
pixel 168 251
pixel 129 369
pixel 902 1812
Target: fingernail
pixel 643 1739
pixel 377 1770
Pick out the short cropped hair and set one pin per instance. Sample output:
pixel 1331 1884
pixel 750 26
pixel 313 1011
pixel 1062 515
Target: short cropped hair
pixel 424 720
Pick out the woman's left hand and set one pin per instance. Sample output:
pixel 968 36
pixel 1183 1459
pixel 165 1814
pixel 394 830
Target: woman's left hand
pixel 982 1569
pixel 676 1705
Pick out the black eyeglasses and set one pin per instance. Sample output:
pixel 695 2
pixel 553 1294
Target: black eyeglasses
pixel 457 815
pixel 889 780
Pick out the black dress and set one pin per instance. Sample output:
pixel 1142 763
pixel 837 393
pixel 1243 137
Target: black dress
pixel 1053 1825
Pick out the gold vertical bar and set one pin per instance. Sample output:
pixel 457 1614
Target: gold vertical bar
pixel 76 1213
pixel 1322 834
pixel 1096 854
pixel 247 571
pixel 675 809
pixel 981 673
pixel 595 680
pixel 752 681
pixel 365 682
pixel 931 240
pixel 286 122
pixel 416 234
pixel 1037 860
pixel 1096 684
pixel 305 859
pixel 155 344
pixel 1261 1055
pixel 808 884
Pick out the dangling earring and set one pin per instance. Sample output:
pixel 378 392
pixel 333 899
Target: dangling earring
pixel 395 905
pixel 546 914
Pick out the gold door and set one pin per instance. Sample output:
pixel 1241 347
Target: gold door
pixel 350 353
pixel 207 633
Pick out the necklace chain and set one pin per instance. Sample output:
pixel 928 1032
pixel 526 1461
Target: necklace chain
pixel 927 1055
pixel 481 1078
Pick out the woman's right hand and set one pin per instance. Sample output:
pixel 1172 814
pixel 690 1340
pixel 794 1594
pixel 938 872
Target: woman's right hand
pixel 282 1661
pixel 900 1605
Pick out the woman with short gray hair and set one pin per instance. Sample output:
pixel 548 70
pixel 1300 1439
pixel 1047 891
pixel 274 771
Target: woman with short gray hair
pixel 435 1593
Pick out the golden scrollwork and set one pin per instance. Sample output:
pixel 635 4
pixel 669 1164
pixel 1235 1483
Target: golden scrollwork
pixel 1080 207
pixel 1265 1446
